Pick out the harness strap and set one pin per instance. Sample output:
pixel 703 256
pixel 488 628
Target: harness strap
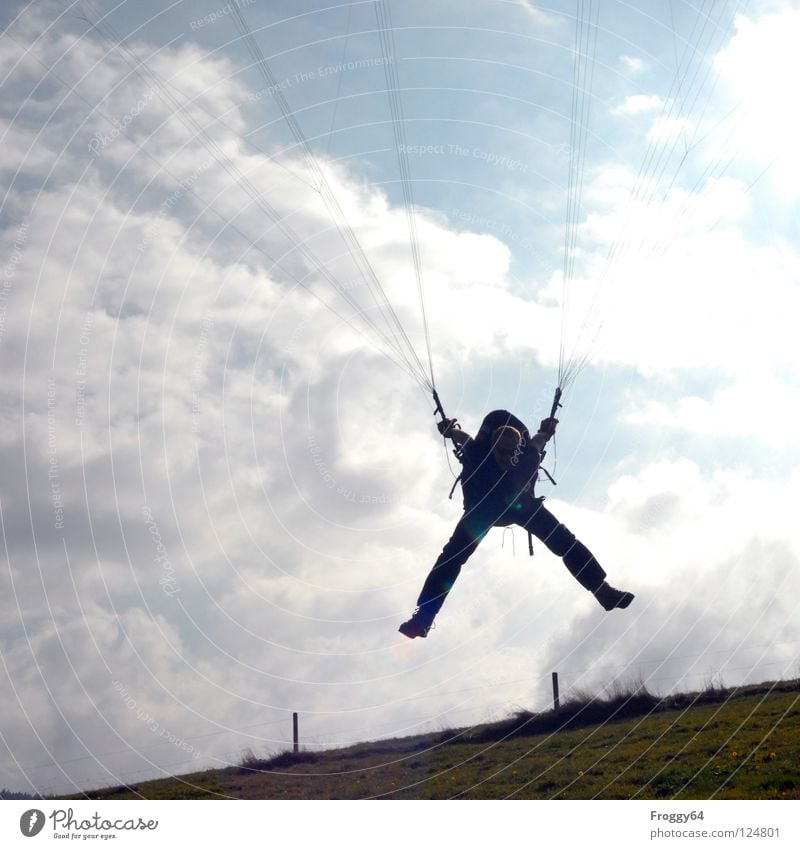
pixel 455 484
pixel 549 476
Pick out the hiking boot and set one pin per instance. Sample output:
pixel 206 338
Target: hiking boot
pixel 611 598
pixel 417 626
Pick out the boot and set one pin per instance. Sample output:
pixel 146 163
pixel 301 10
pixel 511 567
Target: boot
pixel 611 598
pixel 417 626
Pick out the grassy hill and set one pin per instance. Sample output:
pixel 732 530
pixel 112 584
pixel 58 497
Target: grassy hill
pixel 742 743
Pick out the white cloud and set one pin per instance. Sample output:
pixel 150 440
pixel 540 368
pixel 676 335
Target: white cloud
pixel 633 64
pixel 540 16
pixel 665 129
pixel 638 103
pixel 729 412
pixel 680 288
pixel 760 66
pixel 701 551
pixel 188 409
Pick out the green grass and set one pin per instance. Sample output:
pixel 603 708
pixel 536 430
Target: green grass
pixel 728 744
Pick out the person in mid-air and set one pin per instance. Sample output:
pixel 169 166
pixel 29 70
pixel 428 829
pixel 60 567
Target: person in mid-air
pixel 500 466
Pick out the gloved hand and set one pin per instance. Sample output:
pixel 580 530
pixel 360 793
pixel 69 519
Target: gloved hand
pixel 548 427
pixel 446 427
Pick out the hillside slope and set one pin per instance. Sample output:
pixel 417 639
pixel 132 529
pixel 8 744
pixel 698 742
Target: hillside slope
pixel 742 743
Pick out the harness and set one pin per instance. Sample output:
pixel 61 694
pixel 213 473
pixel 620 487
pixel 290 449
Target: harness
pixel 481 478
pixel 493 420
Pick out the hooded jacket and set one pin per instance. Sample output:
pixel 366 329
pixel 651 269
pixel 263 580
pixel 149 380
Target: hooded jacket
pixel 487 488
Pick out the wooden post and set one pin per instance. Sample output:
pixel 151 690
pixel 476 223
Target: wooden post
pixel 556 701
pixel 295 735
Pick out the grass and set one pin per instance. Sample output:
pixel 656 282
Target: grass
pixel 740 743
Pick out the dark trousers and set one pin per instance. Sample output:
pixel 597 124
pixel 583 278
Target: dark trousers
pixel 473 526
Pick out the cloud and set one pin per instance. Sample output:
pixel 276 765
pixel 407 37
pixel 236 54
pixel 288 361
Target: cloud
pixel 676 293
pixel 759 65
pixel 638 103
pixel 701 552
pixel 232 496
pixel 725 414
pixel 540 16
pixel 632 64
pixel 665 128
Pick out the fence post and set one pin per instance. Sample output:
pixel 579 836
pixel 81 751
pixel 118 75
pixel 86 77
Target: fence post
pixel 295 735
pixel 556 701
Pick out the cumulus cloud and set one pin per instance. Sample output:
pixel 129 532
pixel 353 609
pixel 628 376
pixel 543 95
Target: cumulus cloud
pixel 759 64
pixel 539 15
pixel 669 275
pixel 638 103
pixel 727 413
pixel 704 552
pixel 632 64
pixel 667 127
pixel 229 493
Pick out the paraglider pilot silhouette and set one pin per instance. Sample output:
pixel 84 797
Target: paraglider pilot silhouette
pixel 500 466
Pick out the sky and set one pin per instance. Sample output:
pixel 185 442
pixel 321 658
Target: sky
pixel 222 486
